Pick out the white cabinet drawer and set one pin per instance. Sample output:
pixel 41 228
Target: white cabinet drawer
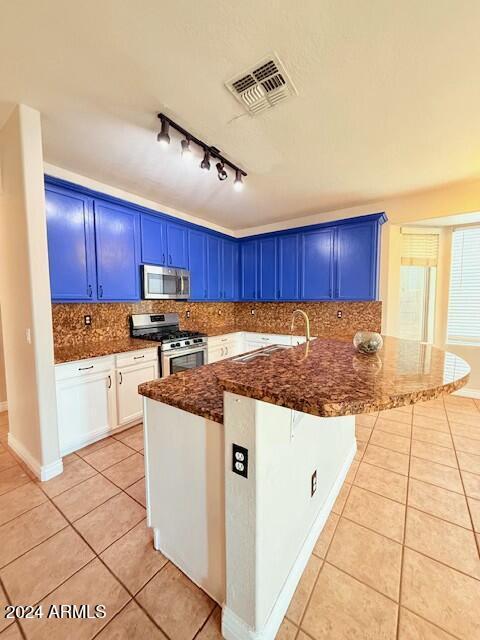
pixel 215 341
pixel 136 357
pixel 80 368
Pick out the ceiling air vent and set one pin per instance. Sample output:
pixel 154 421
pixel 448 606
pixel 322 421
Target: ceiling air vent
pixel 262 86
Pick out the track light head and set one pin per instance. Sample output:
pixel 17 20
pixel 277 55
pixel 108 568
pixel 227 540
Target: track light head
pixel 222 174
pixel 205 163
pixel 186 149
pixel 238 183
pixel 163 136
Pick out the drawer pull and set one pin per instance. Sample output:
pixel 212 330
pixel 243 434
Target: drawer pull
pixel 85 368
pixel 138 357
pixel 109 382
pixel 121 377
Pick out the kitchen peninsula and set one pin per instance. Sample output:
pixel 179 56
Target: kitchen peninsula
pixel 244 460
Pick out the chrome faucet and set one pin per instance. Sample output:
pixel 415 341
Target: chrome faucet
pixel 307 322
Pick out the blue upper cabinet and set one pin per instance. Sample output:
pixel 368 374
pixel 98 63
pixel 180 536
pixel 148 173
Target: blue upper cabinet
pixel 356 261
pixel 177 246
pixel 248 270
pixel 213 268
pixel 116 235
pixel 154 240
pixel 288 259
pixel 197 252
pixel 229 289
pixel 267 268
pixel 163 243
pixel 96 244
pixel 71 250
pixel 317 265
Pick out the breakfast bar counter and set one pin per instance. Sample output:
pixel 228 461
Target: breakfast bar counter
pixel 246 457
pixel 325 377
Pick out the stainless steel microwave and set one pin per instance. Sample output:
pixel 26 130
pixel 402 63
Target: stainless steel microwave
pixel 165 283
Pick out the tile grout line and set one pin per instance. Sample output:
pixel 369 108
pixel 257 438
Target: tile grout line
pixel 404 534
pixel 302 617
pixel 96 555
pixel 475 537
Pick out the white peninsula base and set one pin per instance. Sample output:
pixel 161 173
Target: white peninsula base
pixel 243 540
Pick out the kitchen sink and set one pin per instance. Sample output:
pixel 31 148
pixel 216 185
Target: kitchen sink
pixel 266 352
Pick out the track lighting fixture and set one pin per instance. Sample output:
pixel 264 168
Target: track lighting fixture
pixel 186 149
pixel 208 151
pixel 205 163
pixel 163 136
pixel 238 183
pixel 222 174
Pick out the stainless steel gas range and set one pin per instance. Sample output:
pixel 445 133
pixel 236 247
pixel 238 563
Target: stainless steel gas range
pixel 179 350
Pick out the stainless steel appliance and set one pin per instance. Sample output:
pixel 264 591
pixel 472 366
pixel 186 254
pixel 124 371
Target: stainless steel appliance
pixel 165 283
pixel 179 350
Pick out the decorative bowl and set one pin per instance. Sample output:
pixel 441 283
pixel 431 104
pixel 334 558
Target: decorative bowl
pixel 367 341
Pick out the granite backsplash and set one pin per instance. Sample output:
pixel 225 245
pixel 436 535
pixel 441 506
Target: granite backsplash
pixel 110 320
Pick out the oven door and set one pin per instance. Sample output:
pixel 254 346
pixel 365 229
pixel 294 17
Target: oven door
pixel 176 361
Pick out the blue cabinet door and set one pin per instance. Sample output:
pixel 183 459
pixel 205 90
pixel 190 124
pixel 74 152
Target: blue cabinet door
pixel 153 240
pixel 248 270
pixel 267 268
pixel 197 252
pixel 177 246
pixel 229 288
pixel 317 265
pixel 71 249
pixel 116 234
pixel 288 261
pixel 356 261
pixel 213 268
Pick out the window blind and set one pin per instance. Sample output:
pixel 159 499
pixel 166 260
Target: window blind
pixel 464 297
pixel 419 249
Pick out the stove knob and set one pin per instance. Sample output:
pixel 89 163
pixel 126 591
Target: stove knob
pixel 178 344
pixel 187 342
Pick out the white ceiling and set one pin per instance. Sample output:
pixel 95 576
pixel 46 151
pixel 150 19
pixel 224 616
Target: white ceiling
pixel 389 97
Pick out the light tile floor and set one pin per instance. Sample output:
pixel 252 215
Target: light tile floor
pixel 398 557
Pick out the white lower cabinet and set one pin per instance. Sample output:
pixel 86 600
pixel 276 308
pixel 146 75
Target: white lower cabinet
pixel 129 402
pixel 232 344
pixel 86 402
pixel 98 395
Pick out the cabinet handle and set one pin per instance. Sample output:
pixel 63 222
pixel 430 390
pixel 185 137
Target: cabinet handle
pixel 278 293
pixel 138 357
pixel 90 291
pixel 205 293
pixel 109 382
pixel 163 258
pixel 100 291
pixel 222 352
pixel 226 351
pixel 121 377
pixel 85 368
pixel 169 258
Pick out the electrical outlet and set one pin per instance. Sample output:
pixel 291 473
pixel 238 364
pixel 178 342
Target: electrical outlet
pixel 252 311
pixel 313 483
pixel 339 314
pixel 187 313
pixel 87 320
pixel 240 460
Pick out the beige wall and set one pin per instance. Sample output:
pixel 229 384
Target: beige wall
pixel 25 294
pixel 3 384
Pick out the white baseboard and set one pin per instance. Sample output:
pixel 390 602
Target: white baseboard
pixel 233 627
pixel 468 393
pixel 3 406
pixel 43 472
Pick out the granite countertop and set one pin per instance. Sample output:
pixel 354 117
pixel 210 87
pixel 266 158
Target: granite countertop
pixel 325 377
pixel 96 348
